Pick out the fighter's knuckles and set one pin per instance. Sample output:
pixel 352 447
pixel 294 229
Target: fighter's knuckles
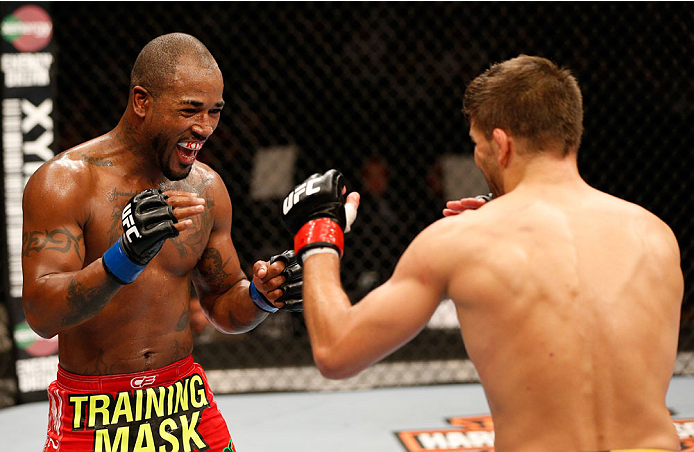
pixel 274 282
pixel 260 271
pixel 277 267
pixel 273 295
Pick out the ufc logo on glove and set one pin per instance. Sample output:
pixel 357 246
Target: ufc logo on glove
pixel 129 222
pixel 294 196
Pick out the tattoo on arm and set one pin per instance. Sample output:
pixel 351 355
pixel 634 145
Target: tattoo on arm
pixel 212 269
pixel 84 302
pixel 61 240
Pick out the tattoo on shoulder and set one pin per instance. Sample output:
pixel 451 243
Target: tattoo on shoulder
pixel 61 240
pixel 212 269
pixel 96 161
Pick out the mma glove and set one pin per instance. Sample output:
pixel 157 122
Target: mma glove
pixel 291 288
pixel 315 213
pixel 147 222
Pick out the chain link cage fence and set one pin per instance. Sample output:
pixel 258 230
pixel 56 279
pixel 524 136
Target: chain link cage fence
pixel 375 89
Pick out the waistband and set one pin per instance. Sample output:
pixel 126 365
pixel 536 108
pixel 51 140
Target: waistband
pixel 121 382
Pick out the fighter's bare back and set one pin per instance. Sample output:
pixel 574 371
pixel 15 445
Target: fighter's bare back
pixel 547 300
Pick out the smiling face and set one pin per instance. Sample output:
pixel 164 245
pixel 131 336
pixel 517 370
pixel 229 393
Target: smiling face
pixel 183 117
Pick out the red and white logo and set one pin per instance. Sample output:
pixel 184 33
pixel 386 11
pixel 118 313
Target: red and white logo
pixel 476 433
pixel 141 382
pixel 28 29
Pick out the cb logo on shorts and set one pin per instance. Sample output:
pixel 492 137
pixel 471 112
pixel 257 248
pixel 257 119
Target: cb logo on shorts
pixel 141 382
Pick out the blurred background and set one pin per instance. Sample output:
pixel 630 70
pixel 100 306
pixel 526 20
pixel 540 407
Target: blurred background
pixel 375 90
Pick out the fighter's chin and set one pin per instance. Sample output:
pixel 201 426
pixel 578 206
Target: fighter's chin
pixel 173 175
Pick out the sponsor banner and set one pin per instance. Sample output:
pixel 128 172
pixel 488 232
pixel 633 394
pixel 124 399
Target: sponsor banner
pixel 28 140
pixel 476 434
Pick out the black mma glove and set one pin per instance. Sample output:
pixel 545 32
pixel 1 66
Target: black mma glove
pixel 291 288
pixel 315 213
pixel 147 222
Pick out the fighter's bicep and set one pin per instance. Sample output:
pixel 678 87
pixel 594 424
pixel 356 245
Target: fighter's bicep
pixel 409 298
pixel 218 268
pixel 52 238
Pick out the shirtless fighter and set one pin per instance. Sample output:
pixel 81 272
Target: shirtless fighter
pixel 115 230
pixel 568 298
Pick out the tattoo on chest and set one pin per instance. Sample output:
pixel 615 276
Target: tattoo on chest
pixel 115 194
pixel 194 239
pixel 61 240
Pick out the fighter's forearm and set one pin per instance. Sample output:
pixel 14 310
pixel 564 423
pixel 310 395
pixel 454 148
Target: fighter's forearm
pixel 232 311
pixel 327 312
pixel 58 301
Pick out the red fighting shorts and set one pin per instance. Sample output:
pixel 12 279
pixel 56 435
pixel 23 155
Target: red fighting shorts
pixel 167 409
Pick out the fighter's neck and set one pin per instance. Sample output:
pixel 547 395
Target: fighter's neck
pixel 135 159
pixel 543 170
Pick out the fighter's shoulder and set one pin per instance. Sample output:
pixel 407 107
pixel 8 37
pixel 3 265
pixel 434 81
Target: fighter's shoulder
pixel 456 234
pixel 65 172
pixel 637 213
pixel 654 225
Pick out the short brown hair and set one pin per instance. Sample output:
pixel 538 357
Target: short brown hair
pixel 528 97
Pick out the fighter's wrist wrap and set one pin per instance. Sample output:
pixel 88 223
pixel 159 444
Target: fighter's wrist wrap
pixel 321 232
pixel 260 301
pixel 320 250
pixel 119 266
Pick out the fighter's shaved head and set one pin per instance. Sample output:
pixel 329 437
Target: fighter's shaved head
pixel 156 63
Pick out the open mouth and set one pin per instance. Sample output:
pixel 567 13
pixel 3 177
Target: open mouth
pixel 188 151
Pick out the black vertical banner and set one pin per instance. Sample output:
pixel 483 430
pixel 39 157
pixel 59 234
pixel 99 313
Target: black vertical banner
pixel 28 140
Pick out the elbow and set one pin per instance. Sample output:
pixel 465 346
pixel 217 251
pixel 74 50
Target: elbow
pixel 45 331
pixel 332 366
pixel 40 324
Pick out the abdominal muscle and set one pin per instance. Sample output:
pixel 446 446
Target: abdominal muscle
pixel 145 326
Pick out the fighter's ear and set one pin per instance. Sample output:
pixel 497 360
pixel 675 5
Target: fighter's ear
pixel 504 144
pixel 141 99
